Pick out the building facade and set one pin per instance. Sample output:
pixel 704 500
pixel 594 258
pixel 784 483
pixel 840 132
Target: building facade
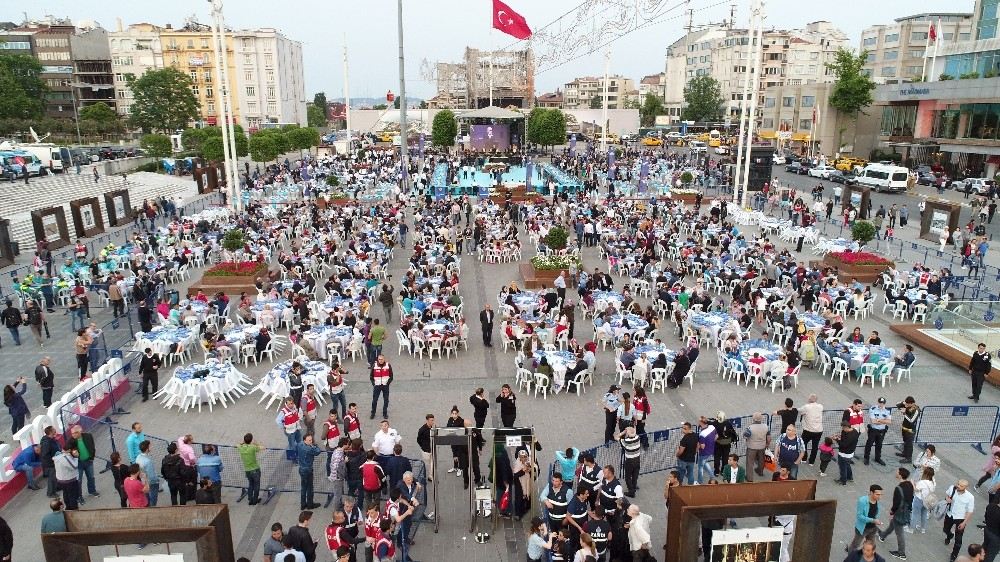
pixel 52 49
pixel 133 51
pixel 93 79
pixel 654 84
pixel 579 93
pixel 509 75
pixel 269 78
pixel 896 52
pixel 189 50
pixel 799 117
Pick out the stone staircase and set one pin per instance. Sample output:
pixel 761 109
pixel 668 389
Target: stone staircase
pixel 18 200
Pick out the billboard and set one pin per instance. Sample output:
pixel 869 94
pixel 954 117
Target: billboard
pixel 488 137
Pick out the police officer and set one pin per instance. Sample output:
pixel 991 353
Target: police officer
pixel 556 501
pixel 610 402
pixel 611 491
pixel 879 418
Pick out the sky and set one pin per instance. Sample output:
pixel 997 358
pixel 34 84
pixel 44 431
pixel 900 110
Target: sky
pixel 439 30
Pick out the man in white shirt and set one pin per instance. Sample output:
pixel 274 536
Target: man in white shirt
pixel 384 441
pixel 638 533
pixel 812 426
pixel 961 504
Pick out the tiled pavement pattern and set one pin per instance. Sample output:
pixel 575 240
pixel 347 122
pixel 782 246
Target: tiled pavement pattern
pixel 559 421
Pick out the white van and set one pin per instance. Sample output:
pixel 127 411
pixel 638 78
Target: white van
pixel 884 177
pixel 47 153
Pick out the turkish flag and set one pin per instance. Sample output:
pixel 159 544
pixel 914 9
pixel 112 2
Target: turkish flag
pixel 509 21
pixel 933 33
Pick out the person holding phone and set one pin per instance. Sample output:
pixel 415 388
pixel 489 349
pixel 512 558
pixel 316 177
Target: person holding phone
pixel 537 543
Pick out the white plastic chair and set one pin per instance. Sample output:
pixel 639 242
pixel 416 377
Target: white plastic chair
pixel 868 373
pixel 543 384
pixel 840 369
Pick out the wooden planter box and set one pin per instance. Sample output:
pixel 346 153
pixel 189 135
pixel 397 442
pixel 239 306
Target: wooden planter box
pixel 686 198
pixel 535 278
pixel 863 273
pixel 231 285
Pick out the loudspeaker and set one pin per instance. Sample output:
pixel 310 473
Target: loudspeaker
pixel 760 167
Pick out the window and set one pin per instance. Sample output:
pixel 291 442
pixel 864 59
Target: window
pixel 767 123
pixel 53 56
pixel 768 102
pixel 247 44
pixel 16 46
pixel 813 68
pixel 247 60
pixel 798 69
pixel 208 74
pixel 918 36
pixel 964 36
pixel 194 75
pixel 121 94
pixel 773 71
pixel 869 41
pixel 252 107
pixel 267 59
pixel 210 108
pixel 890 55
pixel 209 93
pixel 270 78
pixel 916 53
pixel 805 125
pixel 119 77
pixel 204 42
pixel 892 38
pixel 739 69
pixel 194 90
pixel 272 107
pixel 986 28
pixel 914 71
pixel 808 101
pixel 190 43
pixel 270 92
pixel 248 76
pixel 948 36
pixel 251 92
pixel 814 55
pixel 898 120
pixel 889 71
pixel 788 101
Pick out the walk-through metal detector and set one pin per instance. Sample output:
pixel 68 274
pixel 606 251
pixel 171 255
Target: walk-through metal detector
pixel 452 437
pixel 513 437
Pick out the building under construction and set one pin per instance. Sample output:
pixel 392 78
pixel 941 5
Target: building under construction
pixel 466 85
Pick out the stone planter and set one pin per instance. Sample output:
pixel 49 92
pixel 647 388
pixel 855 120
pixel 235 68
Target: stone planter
pixel 231 285
pixel 863 273
pixel 534 278
pixel 686 198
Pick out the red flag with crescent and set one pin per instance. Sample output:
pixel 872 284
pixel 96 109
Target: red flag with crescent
pixel 509 21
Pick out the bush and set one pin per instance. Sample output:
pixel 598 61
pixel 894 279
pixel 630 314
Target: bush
pixel 557 238
pixel 233 240
pixel 150 167
pixel 862 231
pixel 552 263
pixel 332 180
pixel 860 258
pixel 687 178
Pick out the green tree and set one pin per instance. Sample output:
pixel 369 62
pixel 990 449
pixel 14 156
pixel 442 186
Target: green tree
pixel 193 138
pixel 302 138
pixel 319 100
pixel 395 102
pixel 651 107
pixel 99 112
pixel 444 128
pixel 596 102
pixel 553 127
pixel 157 146
pixel 633 103
pixel 315 116
pixel 532 125
pixel 23 91
pixel 703 99
pixel 162 100
pixel 212 149
pixel 852 91
pixel 264 146
pixel 380 106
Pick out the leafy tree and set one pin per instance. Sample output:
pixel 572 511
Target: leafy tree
pixel 315 116
pixel 302 138
pixel 395 102
pixel 193 138
pixel 596 102
pixel 380 106
pixel 531 125
pixel 423 104
pixel 99 112
pixel 444 128
pixel 852 92
pixel 23 91
pixel 651 107
pixel 863 232
pixel 319 100
pixel 212 149
pixel 157 146
pixel 633 103
pixel 264 146
pixel 162 100
pixel 242 144
pixel 703 98
pixel 552 127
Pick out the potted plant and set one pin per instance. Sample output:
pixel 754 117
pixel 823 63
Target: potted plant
pixel 557 238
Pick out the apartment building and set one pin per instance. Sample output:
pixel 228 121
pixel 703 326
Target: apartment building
pixel 269 77
pixel 578 93
pixel 189 50
pixel 896 51
pixel 133 51
pixel 93 80
pixel 654 84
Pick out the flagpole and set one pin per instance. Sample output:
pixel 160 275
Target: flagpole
pixel 937 43
pixel 403 129
pixel 347 99
pixel 927 48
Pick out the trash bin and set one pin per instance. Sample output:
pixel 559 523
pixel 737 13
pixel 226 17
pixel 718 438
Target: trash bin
pixel 173 297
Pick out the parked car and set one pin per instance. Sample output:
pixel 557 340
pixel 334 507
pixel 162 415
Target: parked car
pixel 793 168
pixel 698 146
pixel 821 171
pixel 651 141
pixel 979 186
pixel 630 137
pixel 846 178
pixel 849 164
pixel 722 149
pixel 778 159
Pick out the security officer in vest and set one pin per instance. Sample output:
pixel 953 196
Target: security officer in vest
pixel 577 511
pixel 590 476
pixel 599 529
pixel 556 500
pixel 611 491
pixel 879 418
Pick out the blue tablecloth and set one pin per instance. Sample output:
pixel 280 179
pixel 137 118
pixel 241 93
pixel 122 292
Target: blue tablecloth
pixel 217 370
pixel 433 280
pixel 526 300
pixel 652 352
pixel 315 368
pixel 634 322
pixel 171 335
pixel 556 358
pixel 710 319
pixel 765 348
pixel 277 305
pixel 609 296
pixel 914 296
pixel 813 321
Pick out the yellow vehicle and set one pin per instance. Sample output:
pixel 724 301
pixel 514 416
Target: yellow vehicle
pixel 704 137
pixel 651 141
pixel 386 136
pixel 714 138
pixel 610 138
pixel 848 164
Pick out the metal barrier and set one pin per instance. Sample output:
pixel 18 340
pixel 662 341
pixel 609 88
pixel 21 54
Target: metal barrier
pixel 976 425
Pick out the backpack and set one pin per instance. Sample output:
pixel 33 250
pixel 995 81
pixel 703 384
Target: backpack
pixel 12 318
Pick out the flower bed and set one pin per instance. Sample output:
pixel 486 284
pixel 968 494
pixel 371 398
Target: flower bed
pixel 554 263
pixel 863 266
pixel 236 269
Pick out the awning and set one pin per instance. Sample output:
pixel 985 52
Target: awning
pixel 993 160
pixel 767 134
pixel 801 137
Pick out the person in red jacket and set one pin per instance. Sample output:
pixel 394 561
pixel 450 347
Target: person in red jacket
pixel 372 476
pixel 381 378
